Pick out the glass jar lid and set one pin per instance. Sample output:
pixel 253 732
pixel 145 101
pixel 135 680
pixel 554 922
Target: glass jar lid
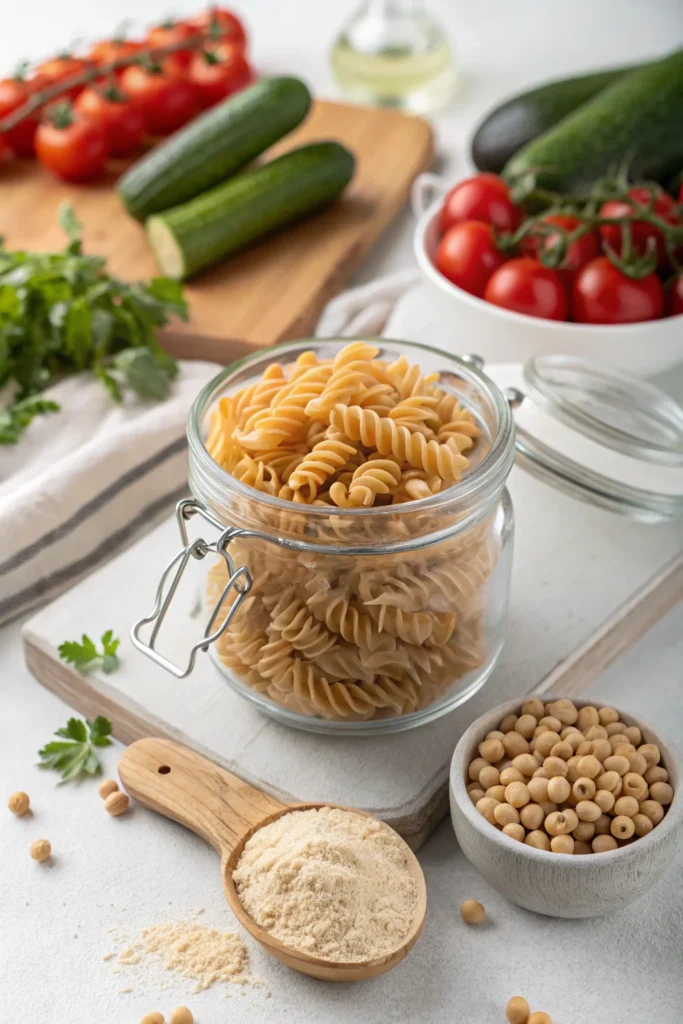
pixel 602 435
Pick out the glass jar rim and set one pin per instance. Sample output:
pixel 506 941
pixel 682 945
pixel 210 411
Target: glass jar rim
pixel 487 478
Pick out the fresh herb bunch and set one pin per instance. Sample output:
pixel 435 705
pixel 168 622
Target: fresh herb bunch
pixel 75 753
pixel 83 655
pixel 62 313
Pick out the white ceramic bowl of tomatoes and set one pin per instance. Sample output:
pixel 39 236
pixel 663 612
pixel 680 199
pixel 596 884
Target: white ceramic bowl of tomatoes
pixel 509 306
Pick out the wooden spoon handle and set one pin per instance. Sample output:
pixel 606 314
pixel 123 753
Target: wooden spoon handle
pixel 186 787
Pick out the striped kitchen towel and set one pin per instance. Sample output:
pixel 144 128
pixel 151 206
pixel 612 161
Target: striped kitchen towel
pixel 85 482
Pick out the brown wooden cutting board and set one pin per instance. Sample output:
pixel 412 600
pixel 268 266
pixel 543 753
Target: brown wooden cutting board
pixel 275 290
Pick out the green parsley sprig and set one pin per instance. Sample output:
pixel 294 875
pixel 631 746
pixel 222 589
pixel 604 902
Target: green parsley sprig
pixel 85 654
pixel 74 754
pixel 61 313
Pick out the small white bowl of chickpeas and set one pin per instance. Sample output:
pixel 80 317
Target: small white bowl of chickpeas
pixel 567 807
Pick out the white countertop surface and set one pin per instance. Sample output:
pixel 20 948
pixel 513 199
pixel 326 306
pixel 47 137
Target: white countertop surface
pixel 118 875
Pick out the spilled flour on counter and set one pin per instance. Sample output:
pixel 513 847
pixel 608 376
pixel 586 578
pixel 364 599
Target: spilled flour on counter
pixel 330 882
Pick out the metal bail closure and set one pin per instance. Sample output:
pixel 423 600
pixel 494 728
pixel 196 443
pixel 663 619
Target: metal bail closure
pixel 239 578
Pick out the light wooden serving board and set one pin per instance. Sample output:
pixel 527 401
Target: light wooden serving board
pixel 587 585
pixel 276 289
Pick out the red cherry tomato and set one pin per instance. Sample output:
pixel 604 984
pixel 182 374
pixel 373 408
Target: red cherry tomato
pixel 123 123
pixel 170 33
pixel 467 255
pixel 221 24
pixel 602 294
pixel 71 145
pixel 109 50
pixel 13 94
pixel 166 100
pixel 5 151
pixel 484 197
pixel 64 66
pixel 580 252
pixel 218 71
pixel 674 303
pixel 641 231
pixel 526 286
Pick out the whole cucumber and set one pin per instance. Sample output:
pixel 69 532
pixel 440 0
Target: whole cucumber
pixel 214 146
pixel 522 118
pixel 217 223
pixel 636 124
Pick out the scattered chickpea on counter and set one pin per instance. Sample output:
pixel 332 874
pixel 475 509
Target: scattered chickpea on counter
pixel 117 803
pixel 472 912
pixel 153 1018
pixel 107 787
pixel 181 1015
pixel 40 849
pixel 19 803
pixel 569 781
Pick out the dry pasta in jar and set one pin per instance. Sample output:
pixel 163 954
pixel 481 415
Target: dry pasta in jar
pixel 374 589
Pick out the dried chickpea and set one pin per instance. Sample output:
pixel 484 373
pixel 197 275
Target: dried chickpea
pixel 617 738
pixel 553 723
pixel 539 730
pixel 557 824
pixel 517 794
pixel 584 830
pixel 562 844
pixel 586 810
pixel 525 726
pixel 40 849
pixel 539 1017
pixel 489 776
pixel 609 780
pixel 575 739
pixel 547 806
pixel 572 817
pixel 475 767
pixel 472 912
pixel 635 785
pixel 555 766
pixel 662 792
pixel 601 749
pixel 596 732
pixel 538 839
pixel 531 816
pixel 495 734
pixel 508 723
pixel 653 810
pixel 617 764
pixel 637 762
pixel 633 734
pixel 19 803
pixel 539 759
pixel 650 752
pixel 515 832
pixel 515 744
pixel 526 764
pixel 589 767
pixel 473 785
pixel 506 814
pixel 509 775
pixel 486 807
pixel 584 789
pixel 476 795
pixel 107 787
pixel 584 748
pixel 656 774
pixel 623 749
pixel 152 1018
pixel 181 1015
pixel 505 763
pixel 558 789
pixel 607 716
pixel 538 788
pixel 582 847
pixel 116 804
pixel 602 825
pixel 573 768
pixel 563 750
pixel 517 1010
pixel 497 792
pixel 540 773
pixel 642 824
pixel 615 728
pixel 564 710
pixel 544 743
pixel 622 827
pixel 604 843
pixel 588 716
pixel 533 706
pixel 604 799
pixel 492 750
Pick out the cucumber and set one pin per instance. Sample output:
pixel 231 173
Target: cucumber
pixel 214 146
pixel 633 124
pixel 219 222
pixel 522 118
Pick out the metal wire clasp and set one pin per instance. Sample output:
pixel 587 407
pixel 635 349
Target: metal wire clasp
pixel 239 578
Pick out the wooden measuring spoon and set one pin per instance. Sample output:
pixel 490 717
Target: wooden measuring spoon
pixel 226 811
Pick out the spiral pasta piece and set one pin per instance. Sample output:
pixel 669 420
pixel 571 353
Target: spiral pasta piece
pixel 324 460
